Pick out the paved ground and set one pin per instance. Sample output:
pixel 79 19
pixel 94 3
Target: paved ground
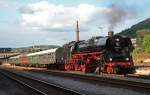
pixel 10 87
pixel 83 87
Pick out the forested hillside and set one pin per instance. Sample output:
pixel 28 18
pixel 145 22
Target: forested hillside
pixel 132 32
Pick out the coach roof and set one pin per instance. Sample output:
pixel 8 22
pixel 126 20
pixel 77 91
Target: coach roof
pixel 42 52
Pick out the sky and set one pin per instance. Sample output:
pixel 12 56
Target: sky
pixel 53 22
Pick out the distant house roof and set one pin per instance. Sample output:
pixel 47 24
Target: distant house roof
pixel 5 50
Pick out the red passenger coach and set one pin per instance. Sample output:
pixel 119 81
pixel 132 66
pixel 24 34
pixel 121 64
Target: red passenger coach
pixel 23 59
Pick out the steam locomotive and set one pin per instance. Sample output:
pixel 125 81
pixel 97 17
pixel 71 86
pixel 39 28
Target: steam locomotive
pixel 109 54
pixel 106 54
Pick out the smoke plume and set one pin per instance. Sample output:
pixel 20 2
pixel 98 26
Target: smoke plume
pixel 116 15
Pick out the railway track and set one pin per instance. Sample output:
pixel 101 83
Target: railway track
pixel 30 88
pixel 139 76
pixel 119 83
pixel 38 86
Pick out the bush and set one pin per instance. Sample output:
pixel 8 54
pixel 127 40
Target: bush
pixel 137 50
pixel 146 43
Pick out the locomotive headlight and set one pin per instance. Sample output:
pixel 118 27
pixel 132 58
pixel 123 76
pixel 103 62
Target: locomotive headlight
pixel 127 59
pixel 110 59
pixel 117 40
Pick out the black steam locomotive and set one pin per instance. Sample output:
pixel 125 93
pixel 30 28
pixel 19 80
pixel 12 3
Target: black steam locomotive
pixel 109 54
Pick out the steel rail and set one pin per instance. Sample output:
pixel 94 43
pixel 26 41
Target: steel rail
pixel 38 92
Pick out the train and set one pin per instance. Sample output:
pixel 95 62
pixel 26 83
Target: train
pixel 109 54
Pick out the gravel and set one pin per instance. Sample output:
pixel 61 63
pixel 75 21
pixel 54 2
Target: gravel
pixel 83 87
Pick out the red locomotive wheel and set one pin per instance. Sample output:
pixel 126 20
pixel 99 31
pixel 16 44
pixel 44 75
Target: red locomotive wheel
pixel 83 68
pixel 67 67
pixel 76 66
pixel 109 70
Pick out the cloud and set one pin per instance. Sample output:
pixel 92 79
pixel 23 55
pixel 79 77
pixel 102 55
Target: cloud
pixel 46 16
pixel 9 4
pixel 40 22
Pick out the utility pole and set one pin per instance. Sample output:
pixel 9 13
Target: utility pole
pixel 77 31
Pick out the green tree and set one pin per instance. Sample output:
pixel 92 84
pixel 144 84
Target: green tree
pixel 140 36
pixel 146 43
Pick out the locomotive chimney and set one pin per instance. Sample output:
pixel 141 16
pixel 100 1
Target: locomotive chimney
pixel 77 31
pixel 110 33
